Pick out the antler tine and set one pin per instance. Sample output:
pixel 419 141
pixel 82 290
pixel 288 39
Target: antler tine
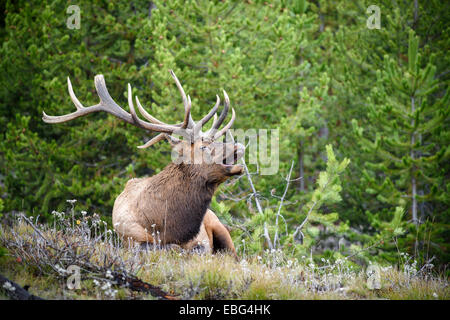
pixel 186 102
pixel 109 105
pixel 148 116
pixel 206 118
pixel 131 106
pixel 223 114
pixel 210 133
pixel 73 97
pixel 154 140
pixel 81 111
pixel 143 124
pixel 187 114
pixel 106 102
pixel 228 126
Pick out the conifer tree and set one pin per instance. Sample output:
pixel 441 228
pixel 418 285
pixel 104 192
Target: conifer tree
pixel 359 63
pixel 407 142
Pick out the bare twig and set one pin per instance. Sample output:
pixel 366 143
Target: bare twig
pixel 53 251
pixel 299 228
pixel 288 177
pixel 255 196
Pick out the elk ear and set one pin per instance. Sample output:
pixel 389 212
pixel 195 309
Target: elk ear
pixel 172 140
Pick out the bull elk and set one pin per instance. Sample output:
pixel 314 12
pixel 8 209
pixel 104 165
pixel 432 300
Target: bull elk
pixel 173 203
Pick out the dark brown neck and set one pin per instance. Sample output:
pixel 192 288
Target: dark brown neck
pixel 185 193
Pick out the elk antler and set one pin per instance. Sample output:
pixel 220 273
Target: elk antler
pixel 223 115
pixel 188 126
pixel 106 104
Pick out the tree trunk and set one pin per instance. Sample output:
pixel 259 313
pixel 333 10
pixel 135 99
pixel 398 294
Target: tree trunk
pixel 413 180
pixel 301 169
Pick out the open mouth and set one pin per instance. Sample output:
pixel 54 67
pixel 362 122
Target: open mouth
pixel 227 159
pixel 230 158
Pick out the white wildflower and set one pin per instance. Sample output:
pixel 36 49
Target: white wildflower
pixel 106 286
pixel 58 214
pixel 8 286
pixel 60 270
pixel 111 293
pixel 385 269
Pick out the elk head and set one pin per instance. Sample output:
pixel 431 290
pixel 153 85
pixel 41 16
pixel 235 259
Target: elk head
pixel 201 151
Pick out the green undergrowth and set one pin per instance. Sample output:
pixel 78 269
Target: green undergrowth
pixel 28 261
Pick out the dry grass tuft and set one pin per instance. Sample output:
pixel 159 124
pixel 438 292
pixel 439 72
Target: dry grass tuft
pixel 40 255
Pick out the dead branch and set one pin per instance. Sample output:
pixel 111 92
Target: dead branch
pixel 51 251
pixel 288 179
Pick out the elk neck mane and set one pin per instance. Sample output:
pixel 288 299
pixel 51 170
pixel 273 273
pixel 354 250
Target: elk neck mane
pixel 181 193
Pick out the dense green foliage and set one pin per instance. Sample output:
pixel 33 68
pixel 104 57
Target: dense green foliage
pixel 362 113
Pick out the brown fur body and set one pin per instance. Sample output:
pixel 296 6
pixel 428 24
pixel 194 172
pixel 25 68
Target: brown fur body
pixel 170 207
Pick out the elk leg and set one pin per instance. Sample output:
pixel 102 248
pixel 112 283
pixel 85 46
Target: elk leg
pixel 222 240
pixel 218 234
pixel 135 234
pixel 201 242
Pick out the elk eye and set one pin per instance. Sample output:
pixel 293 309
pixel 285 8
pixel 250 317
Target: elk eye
pixel 203 147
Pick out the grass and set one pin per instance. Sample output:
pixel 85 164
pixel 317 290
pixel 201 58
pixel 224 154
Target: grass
pixel 38 256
